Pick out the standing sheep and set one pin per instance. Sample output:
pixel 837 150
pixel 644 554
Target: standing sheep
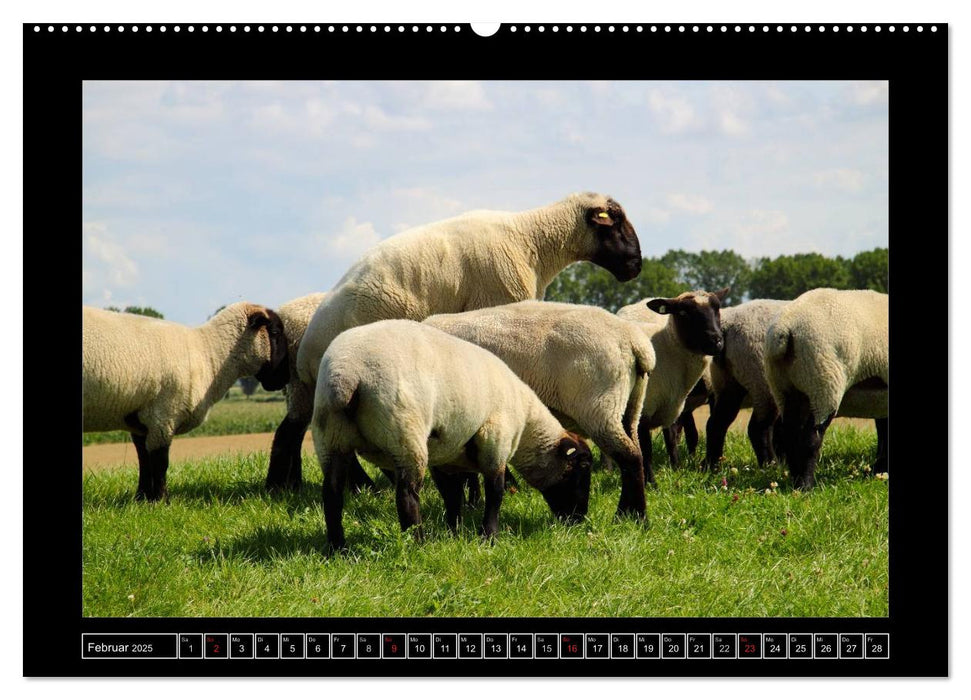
pixel 588 366
pixel 828 352
pixel 475 260
pixel 410 397
pixel 682 345
pixel 739 371
pixel 157 379
pixel 285 460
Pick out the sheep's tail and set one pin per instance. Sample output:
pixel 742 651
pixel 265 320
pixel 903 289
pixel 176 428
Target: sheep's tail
pixel 339 391
pixel 779 346
pixel 643 364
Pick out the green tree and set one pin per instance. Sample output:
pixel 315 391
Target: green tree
pixel 585 283
pixel 140 310
pixel 249 385
pixel 870 269
pixel 788 276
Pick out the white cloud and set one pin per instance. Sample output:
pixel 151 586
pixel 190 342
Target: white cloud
pixel 691 203
pixel 456 94
pixel 843 179
pixel 869 92
pixel 376 118
pixel 108 263
pixel 731 104
pixel 655 215
pixel 352 240
pixel 674 113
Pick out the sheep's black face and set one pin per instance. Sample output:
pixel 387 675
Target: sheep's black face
pixel 569 498
pixel 275 373
pixel 697 319
pixel 617 249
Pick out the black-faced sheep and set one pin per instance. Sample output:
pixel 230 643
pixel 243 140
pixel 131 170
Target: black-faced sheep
pixel 475 260
pixel 410 397
pixel 157 379
pixel 828 353
pixel 588 366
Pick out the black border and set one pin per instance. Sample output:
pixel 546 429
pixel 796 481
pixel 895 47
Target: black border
pixel 916 64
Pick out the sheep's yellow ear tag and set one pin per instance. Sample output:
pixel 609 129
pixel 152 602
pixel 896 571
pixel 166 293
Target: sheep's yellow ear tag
pixel 662 309
pixel 603 215
pixel 571 451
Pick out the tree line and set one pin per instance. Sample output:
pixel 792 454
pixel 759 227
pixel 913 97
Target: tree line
pixel 783 277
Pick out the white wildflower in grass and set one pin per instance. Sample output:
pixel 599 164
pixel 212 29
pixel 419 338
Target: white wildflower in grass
pixel 734 471
pixel 867 469
pixel 131 597
pixel 883 476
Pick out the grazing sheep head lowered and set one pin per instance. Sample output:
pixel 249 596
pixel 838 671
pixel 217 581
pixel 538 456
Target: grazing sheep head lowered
pixel 569 497
pixel 616 248
pixel 270 341
pixel 697 319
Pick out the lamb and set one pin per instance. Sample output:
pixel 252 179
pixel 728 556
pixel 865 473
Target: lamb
pixel 285 459
pixel 157 379
pixel 828 352
pixel 475 260
pixel 699 395
pixel 588 366
pixel 739 372
pixel 410 397
pixel 681 346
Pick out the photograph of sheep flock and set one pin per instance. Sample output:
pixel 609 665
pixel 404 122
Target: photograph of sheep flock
pixel 485 349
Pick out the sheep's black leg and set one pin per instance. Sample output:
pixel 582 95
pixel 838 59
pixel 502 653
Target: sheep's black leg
pixel 286 468
pixel 389 475
pixel 644 440
pixel 724 410
pixel 357 478
pixel 406 498
pixel 511 484
pixel 778 440
pixel 158 464
pixel 803 440
pixel 880 466
pixel 760 435
pixel 145 476
pixel 495 487
pixel 690 431
pixel 632 499
pixel 672 435
pixel 335 476
pixel 451 486
pixel 475 493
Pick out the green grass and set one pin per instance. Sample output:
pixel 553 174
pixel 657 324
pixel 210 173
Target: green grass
pixel 235 415
pixel 222 547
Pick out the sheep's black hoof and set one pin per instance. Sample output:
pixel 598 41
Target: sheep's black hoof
pixel 624 512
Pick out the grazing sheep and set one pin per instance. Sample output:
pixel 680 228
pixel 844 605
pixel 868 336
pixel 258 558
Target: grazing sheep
pixel 284 471
pixel 157 379
pixel 828 353
pixel 410 397
pixel 475 260
pixel 588 366
pixel 682 345
pixel 739 372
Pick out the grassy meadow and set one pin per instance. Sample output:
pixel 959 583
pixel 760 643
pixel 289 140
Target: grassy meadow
pixel 728 544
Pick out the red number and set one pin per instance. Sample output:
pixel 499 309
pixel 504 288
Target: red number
pixel 215 648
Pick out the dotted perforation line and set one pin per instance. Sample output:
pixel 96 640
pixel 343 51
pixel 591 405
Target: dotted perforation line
pixel 428 28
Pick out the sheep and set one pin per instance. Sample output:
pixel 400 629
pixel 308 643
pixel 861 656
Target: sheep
pixel 475 260
pixel 738 372
pixel 682 345
pixel 411 397
pixel 828 353
pixel 284 471
pixel 699 395
pixel 157 379
pixel 588 366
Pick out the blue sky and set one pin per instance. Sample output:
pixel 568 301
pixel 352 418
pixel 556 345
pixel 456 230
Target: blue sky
pixel 198 194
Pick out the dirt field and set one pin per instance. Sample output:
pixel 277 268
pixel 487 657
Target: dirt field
pixel 190 448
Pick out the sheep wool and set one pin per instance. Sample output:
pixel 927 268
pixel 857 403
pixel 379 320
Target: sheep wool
pixel 157 379
pixel 590 367
pixel 411 397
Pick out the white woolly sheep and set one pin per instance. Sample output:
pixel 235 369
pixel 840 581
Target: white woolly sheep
pixel 284 471
pixel 410 397
pixel 475 260
pixel 828 353
pixel 682 344
pixel 157 378
pixel 588 366
pixel 699 395
pixel 739 372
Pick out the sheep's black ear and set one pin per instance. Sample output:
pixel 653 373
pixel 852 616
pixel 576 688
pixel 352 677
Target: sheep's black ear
pixel 662 306
pixel 600 217
pixel 258 319
pixel 722 293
